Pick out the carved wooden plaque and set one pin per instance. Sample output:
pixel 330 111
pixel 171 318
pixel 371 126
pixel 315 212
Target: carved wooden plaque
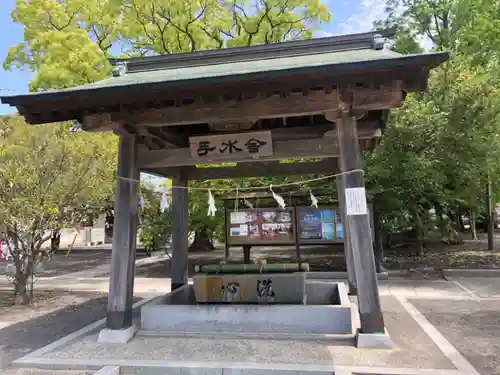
pixel 231 146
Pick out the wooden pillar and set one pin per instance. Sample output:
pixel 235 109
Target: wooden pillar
pixel 246 254
pixel 377 237
pixel 351 271
pixel 358 227
pixel 121 284
pixel 227 219
pixel 180 203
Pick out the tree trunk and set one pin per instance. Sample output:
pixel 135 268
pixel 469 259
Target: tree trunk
pixel 490 228
pixel 21 296
pixel 22 282
pixel 55 241
pixel 419 226
pixel 24 261
pixel 473 225
pixel 202 241
pixel 441 223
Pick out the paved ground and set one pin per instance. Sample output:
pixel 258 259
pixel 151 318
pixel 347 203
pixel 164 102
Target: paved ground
pixel 468 321
pixel 466 311
pixel 77 260
pixel 472 326
pixel 62 263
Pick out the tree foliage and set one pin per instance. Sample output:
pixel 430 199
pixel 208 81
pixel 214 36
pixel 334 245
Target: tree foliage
pixel 68 42
pixel 49 179
pixel 437 152
pixel 439 149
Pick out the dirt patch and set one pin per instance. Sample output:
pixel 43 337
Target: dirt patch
pixel 469 254
pixel 45 302
pixel 7 298
pixel 442 257
pixel 54 314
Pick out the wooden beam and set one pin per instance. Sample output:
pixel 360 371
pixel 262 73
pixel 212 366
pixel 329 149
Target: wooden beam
pixel 98 122
pixel 261 107
pixel 300 147
pixel 257 169
pixel 168 136
pixel 318 147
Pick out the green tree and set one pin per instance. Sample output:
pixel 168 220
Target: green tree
pixel 155 225
pixel 66 43
pixel 49 178
pixel 448 136
pixel 147 27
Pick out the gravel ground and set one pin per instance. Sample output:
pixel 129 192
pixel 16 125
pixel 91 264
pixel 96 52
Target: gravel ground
pixel 473 327
pixel 26 328
pixel 54 315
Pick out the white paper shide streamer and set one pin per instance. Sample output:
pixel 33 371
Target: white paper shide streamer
pixel 211 204
pixel 314 200
pixel 247 203
pixel 164 204
pixel 278 198
pixel 141 202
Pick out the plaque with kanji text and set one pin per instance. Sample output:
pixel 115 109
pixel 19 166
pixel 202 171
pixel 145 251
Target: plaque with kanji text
pixel 231 146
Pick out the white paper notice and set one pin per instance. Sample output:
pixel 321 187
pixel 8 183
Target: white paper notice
pixel 238 217
pixel 355 201
pixel 243 230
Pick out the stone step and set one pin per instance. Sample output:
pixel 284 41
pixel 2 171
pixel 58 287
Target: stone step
pixel 39 371
pixel 332 339
pixel 220 371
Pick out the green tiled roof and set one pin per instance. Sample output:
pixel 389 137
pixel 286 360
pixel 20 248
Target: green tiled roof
pixel 244 67
pixel 220 70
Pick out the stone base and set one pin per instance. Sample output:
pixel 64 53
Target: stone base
pixel 374 340
pixel 327 310
pixel 117 336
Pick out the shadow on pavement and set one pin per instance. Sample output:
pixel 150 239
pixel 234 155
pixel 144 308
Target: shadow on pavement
pixel 21 338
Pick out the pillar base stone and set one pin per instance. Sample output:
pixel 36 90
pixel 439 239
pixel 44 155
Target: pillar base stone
pixel 117 336
pixel 374 340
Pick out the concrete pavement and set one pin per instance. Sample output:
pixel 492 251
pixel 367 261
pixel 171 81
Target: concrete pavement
pixel 462 324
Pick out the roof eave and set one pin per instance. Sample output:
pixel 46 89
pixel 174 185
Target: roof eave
pixel 430 61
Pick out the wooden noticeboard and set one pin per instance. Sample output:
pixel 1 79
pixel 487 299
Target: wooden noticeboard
pixel 273 226
pixel 260 226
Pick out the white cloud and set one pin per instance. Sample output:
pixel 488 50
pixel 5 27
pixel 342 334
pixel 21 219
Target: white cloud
pixel 426 43
pixel 323 34
pixel 362 20
pixel 369 11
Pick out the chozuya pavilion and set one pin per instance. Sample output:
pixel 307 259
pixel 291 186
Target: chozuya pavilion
pixel 326 98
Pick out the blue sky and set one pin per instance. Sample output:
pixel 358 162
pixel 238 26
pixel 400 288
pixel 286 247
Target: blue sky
pixel 348 16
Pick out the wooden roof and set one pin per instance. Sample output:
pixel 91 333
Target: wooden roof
pixel 286 88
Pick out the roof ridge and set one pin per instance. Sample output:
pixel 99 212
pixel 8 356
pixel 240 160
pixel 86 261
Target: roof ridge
pixel 369 40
